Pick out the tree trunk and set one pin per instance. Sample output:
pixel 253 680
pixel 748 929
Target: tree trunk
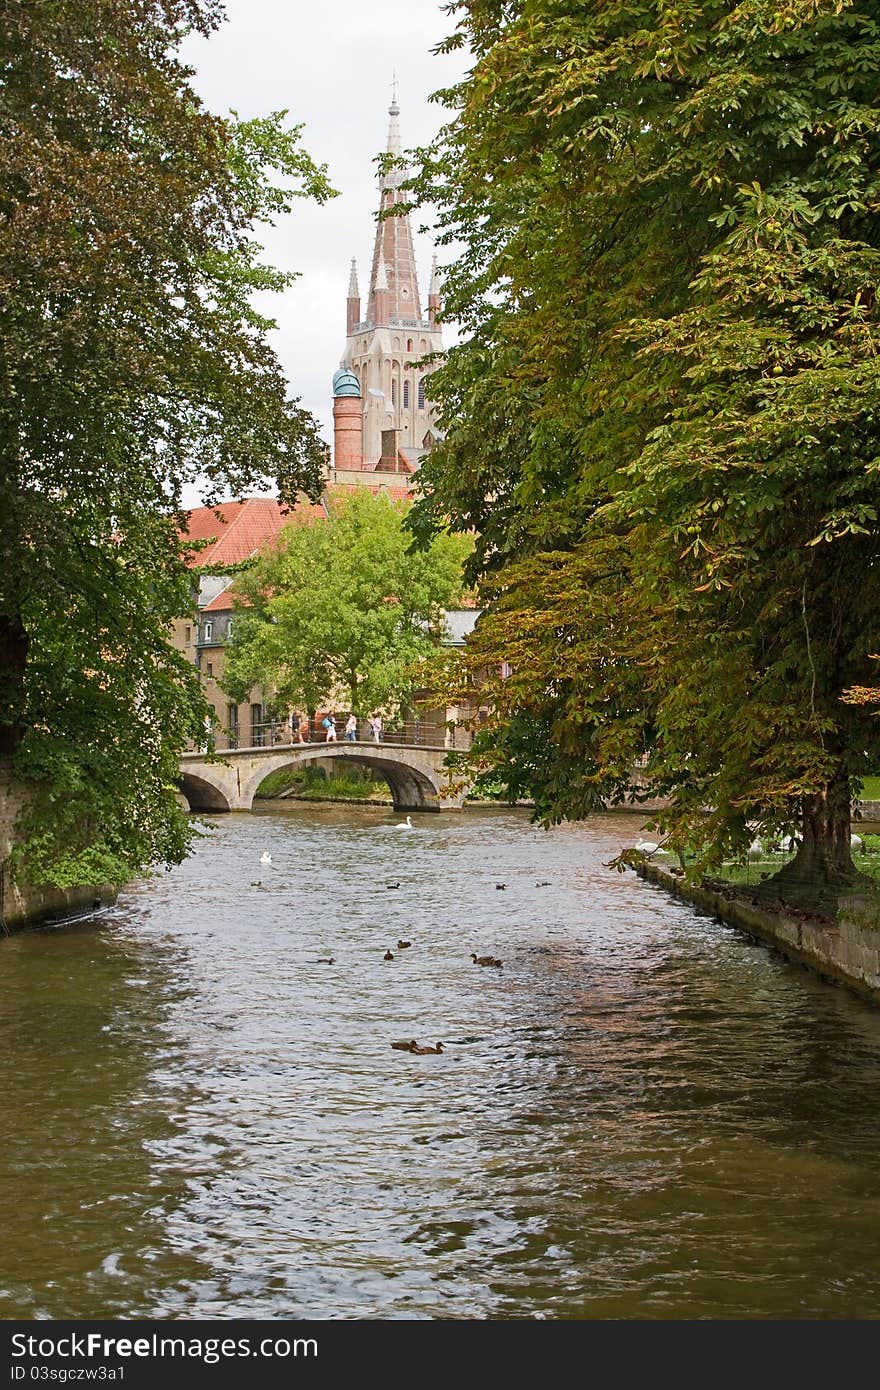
pixel 13 658
pixel 823 868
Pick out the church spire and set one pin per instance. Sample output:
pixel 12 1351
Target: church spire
pixel 393 247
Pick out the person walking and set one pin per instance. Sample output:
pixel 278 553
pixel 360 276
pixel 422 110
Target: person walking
pixel 302 733
pixel 329 724
pixel 351 728
pixel 294 728
pixel 376 728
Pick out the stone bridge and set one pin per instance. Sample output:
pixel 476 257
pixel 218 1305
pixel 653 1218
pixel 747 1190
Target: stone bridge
pixel 227 781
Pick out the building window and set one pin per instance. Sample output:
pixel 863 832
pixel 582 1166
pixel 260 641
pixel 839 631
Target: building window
pixel 409 344
pixel 406 395
pixel 229 627
pixel 421 394
pixel 188 636
pixel 210 668
pixel 209 631
pixel 257 730
pixel 394 391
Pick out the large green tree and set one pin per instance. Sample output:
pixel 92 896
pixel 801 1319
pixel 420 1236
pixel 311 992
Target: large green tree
pixel 131 363
pixel 342 610
pixel 662 421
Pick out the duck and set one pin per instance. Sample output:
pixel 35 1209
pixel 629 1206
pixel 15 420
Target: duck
pixel 500 886
pixel 424 1051
pixel 392 885
pixel 404 825
pixel 402 945
pixel 326 960
pixel 756 849
pixel 409 1046
pixel 543 883
pixel 485 960
pixel 265 857
pixel 388 956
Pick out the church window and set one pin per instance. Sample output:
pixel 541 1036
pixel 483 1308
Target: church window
pixel 409 344
pixel 421 395
pixel 394 391
pixel 406 395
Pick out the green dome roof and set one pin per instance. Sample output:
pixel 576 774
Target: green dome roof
pixel 345 383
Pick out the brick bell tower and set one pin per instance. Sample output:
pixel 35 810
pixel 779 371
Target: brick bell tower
pixel 382 350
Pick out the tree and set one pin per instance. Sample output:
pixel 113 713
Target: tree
pixel 341 611
pixel 132 362
pixel 662 424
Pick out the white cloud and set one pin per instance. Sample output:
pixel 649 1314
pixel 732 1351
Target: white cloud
pixel 331 67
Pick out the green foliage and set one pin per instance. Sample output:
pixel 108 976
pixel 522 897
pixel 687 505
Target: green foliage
pixel 341 611
pixel 311 781
pixel 663 423
pixel 131 363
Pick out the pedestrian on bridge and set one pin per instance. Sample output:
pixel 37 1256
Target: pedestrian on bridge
pixel 329 724
pixel 351 728
pixel 376 728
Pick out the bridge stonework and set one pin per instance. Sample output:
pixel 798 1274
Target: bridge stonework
pixel 229 780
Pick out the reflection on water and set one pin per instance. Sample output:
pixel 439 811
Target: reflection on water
pixel 641 1114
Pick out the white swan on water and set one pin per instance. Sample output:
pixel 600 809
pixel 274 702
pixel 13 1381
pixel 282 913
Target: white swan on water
pixel 650 847
pixel 265 857
pixel 404 825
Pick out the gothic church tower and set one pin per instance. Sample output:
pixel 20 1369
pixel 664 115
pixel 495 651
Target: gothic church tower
pixel 383 348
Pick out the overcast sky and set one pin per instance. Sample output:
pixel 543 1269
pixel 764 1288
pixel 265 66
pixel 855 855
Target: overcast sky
pixel 330 65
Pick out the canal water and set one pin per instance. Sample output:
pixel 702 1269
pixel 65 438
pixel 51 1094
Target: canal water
pixel 640 1115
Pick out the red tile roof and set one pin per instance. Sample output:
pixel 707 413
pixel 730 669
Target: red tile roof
pixel 238 530
pixel 223 603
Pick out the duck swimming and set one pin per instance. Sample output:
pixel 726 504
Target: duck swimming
pixel 485 960
pixel 402 945
pixel 409 1046
pixel 424 1051
pixel 388 956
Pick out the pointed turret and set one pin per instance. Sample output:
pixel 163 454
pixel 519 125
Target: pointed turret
pixel 434 293
pixel 353 302
pixel 379 296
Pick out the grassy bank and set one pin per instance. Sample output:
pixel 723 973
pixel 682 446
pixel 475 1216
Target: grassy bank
pixel 312 782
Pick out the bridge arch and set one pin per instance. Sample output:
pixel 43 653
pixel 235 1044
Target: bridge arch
pixel 412 788
pixel 202 793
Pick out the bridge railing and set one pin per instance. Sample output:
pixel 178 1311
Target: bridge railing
pixel 411 733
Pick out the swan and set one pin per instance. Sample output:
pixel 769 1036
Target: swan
pixel 855 841
pixel 650 847
pixel 265 857
pixel 404 825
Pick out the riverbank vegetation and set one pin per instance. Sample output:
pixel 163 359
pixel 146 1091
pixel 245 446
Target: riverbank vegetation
pixel 133 363
pixel 661 422
pixel 313 783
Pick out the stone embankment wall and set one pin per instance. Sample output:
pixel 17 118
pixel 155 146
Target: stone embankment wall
pixel 21 904
pixel 846 951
